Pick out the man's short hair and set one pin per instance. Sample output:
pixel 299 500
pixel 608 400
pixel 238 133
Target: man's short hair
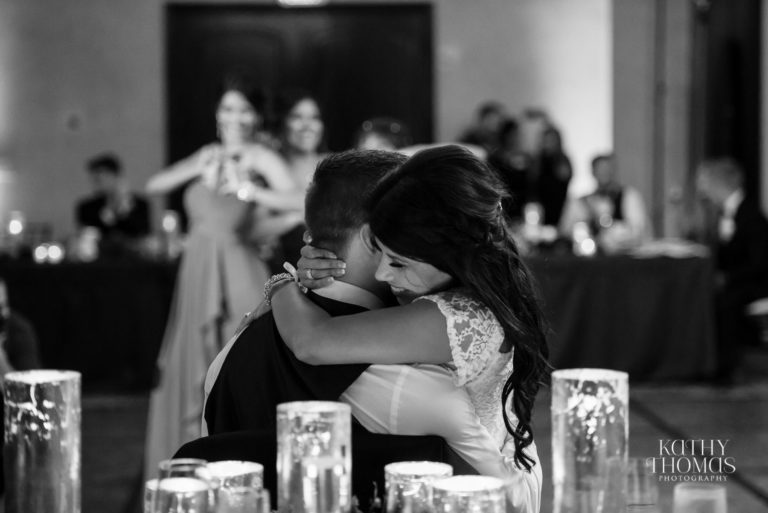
pixel 105 163
pixel 724 170
pixel 335 202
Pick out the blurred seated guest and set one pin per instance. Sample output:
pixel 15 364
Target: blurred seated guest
pixel 18 348
pixel 18 343
pixel 387 134
pixel 113 209
pixel 513 166
pixel 741 254
pixel 485 133
pixel 552 174
pixel 614 212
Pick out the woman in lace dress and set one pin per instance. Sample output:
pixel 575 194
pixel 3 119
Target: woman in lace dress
pixel 451 262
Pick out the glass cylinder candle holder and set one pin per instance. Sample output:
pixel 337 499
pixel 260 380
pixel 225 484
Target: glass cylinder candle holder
pixel 183 467
pixel 590 431
pixel 469 494
pixel 314 461
pixel 150 495
pixel 182 495
pixel 409 484
pixel 700 498
pixel 642 486
pixel 237 485
pixel 42 441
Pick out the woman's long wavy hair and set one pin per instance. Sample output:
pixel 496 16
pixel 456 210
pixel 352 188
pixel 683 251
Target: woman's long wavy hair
pixel 443 207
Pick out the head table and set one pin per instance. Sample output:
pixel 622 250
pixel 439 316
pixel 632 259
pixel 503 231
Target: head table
pixel 651 317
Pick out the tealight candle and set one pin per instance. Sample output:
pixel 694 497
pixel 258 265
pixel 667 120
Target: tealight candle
pixel 469 494
pixel 409 484
pixel 182 495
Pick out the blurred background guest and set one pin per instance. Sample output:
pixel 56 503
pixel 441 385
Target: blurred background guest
pixel 741 256
pixel 113 209
pixel 382 134
pixel 513 166
pixel 18 342
pixel 301 134
pixel 18 350
pixel 222 269
pixel 552 172
pixel 485 132
pixel 614 212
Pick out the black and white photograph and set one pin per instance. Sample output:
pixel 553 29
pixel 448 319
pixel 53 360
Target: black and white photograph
pixel 384 256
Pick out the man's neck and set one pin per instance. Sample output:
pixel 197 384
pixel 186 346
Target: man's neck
pixel 357 279
pixel 352 294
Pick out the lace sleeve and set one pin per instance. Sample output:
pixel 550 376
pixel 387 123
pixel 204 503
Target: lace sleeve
pixel 473 332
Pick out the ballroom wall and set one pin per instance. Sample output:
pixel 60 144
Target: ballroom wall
pixel 651 109
pixel 87 76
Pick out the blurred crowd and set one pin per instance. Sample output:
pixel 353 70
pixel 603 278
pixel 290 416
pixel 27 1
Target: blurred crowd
pixel 244 201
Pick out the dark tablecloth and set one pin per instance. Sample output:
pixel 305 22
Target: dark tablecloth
pixel 650 317
pixel 103 319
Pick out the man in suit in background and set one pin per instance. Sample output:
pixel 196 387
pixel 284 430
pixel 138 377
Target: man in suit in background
pixel 113 209
pixel 741 257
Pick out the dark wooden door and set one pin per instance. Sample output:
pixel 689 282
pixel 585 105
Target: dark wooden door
pixel 360 62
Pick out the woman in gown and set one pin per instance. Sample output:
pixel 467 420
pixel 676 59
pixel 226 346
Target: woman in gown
pixel 301 133
pixel 467 300
pixel 552 174
pixel 222 270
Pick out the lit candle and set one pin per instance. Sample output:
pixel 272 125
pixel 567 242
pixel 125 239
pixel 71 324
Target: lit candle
pixel 590 431
pixel 42 441
pixel 469 494
pixel 409 484
pixel 182 495
pixel 314 463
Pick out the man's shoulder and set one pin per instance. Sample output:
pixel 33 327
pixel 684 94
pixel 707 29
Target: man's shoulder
pixel 255 330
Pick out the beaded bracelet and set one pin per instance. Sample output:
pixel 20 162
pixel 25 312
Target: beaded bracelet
pixel 277 278
pixel 292 274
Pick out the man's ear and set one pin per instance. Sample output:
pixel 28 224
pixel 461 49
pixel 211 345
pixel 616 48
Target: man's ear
pixel 366 237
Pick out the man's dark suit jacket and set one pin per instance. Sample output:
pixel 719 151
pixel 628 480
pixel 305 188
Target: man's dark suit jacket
pixel 744 258
pixel 743 261
pixel 259 373
pixel 135 224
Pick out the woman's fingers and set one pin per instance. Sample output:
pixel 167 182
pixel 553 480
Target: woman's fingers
pixel 317 267
pixel 319 272
pixel 320 265
pixel 312 252
pixel 316 284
